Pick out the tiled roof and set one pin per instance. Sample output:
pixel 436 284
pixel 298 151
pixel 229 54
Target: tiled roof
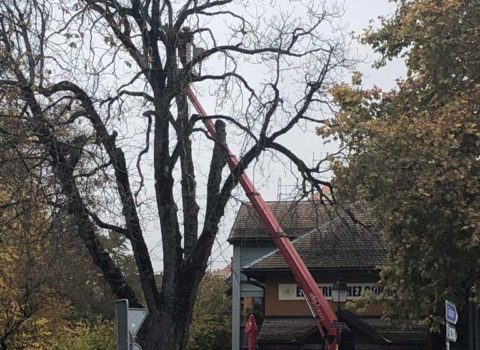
pixel 285 330
pixel 295 217
pixel 398 332
pixel 293 330
pixel 338 244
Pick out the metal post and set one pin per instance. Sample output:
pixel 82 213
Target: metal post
pixel 471 326
pixel 476 318
pixel 338 330
pixel 122 324
pixel 236 297
pixel 447 347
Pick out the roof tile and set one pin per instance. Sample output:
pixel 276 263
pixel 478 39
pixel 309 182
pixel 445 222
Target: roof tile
pixel 338 244
pixel 292 330
pixel 285 330
pixel 295 217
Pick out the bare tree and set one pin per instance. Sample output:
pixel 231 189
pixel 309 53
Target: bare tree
pixel 98 86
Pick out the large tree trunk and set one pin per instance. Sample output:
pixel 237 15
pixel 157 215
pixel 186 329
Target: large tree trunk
pixel 167 327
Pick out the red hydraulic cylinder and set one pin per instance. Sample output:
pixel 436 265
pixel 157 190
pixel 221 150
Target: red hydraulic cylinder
pixel 324 314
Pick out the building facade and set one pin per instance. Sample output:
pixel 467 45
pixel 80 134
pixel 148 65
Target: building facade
pixel 332 246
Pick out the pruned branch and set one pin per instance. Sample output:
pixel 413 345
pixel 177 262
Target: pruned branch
pixel 188 182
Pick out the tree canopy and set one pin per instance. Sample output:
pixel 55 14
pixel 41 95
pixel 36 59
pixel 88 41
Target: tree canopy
pixel 97 87
pixel 413 153
pixel 52 297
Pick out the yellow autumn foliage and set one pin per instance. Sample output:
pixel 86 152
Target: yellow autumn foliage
pixel 84 336
pixel 35 285
pixel 31 309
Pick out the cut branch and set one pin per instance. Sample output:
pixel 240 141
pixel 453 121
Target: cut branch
pixel 188 183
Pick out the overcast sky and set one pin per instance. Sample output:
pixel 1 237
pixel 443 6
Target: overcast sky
pixel 358 14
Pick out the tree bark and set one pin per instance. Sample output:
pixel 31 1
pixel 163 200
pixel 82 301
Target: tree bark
pixel 189 185
pixel 64 160
pixel 168 328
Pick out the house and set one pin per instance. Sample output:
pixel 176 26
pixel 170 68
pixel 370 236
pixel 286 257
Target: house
pixel 333 246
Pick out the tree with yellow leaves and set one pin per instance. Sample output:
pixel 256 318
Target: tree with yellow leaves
pixel 413 154
pixel 31 309
pixel 43 268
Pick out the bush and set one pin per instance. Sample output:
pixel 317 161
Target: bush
pixel 84 336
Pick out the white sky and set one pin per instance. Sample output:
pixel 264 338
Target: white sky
pixel 304 143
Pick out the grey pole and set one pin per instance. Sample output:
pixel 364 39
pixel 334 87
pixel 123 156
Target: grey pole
pixel 122 325
pixel 236 297
pixel 476 318
pixel 447 347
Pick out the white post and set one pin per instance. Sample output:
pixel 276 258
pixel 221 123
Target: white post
pixel 447 347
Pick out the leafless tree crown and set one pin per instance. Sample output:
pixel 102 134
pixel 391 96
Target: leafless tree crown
pixel 97 89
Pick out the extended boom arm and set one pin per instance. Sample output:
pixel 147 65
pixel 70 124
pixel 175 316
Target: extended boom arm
pixel 323 313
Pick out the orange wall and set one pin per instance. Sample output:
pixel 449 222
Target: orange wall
pixel 276 307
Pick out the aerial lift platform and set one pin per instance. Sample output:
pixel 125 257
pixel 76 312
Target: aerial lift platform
pixel 322 312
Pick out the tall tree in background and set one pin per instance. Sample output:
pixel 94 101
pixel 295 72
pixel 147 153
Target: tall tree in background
pixel 413 153
pixel 49 287
pixel 31 308
pixel 98 87
pixel 212 318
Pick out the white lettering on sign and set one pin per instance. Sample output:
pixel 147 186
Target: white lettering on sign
pixel 451 333
pixel 291 291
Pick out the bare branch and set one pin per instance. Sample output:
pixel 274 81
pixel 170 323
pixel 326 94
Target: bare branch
pixel 144 151
pixel 100 223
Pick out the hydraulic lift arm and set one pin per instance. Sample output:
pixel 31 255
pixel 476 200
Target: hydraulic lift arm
pixel 321 309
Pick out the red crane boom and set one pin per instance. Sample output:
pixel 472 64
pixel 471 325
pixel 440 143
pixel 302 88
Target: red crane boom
pixel 323 314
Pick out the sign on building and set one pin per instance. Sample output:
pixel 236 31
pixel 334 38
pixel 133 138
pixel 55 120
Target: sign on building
pixel 291 291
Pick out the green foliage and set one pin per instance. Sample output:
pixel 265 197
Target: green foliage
pixel 83 336
pixel 211 324
pixel 413 154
